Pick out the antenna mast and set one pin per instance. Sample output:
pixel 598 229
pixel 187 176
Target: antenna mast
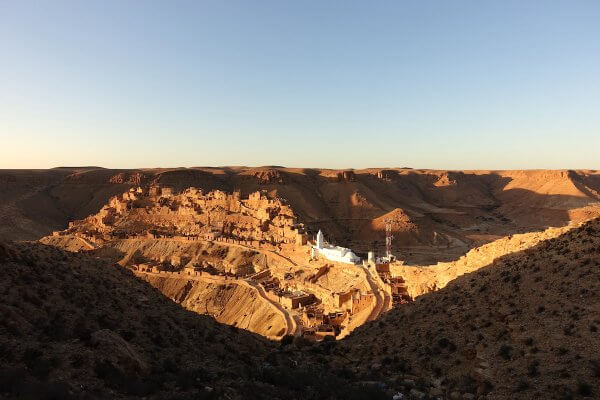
pixel 388 238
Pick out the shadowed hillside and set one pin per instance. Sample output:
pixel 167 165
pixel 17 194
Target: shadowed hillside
pixel 524 327
pixel 75 327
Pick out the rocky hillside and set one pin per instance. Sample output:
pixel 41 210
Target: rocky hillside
pixel 437 215
pixel 525 327
pixel 424 279
pixel 75 327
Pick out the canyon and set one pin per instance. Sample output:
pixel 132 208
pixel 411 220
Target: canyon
pixel 238 245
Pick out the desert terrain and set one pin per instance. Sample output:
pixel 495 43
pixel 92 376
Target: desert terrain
pixel 491 292
pixel 438 215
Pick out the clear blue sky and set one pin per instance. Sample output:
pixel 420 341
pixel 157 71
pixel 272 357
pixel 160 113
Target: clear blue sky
pixel 426 84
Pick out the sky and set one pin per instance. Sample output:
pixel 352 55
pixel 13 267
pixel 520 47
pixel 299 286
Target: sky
pixel 324 84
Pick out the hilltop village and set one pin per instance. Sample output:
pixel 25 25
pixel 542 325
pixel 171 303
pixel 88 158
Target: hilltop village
pixel 299 286
pixel 158 213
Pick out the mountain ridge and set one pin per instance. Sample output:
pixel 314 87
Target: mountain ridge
pixel 450 211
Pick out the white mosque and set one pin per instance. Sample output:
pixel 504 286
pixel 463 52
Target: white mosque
pixel 334 253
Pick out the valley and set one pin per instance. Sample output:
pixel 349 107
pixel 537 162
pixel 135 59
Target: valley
pixel 299 257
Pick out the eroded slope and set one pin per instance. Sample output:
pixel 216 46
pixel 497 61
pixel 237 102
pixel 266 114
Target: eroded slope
pixel 229 302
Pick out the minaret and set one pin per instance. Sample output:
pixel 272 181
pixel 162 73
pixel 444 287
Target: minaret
pixel 320 240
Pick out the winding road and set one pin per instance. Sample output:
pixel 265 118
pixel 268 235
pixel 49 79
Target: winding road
pixel 382 298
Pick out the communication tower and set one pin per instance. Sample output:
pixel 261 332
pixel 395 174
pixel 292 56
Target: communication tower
pixel 388 239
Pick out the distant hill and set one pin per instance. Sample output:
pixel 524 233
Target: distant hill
pixel 82 167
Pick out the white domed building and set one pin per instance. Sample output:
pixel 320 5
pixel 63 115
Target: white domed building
pixel 334 253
